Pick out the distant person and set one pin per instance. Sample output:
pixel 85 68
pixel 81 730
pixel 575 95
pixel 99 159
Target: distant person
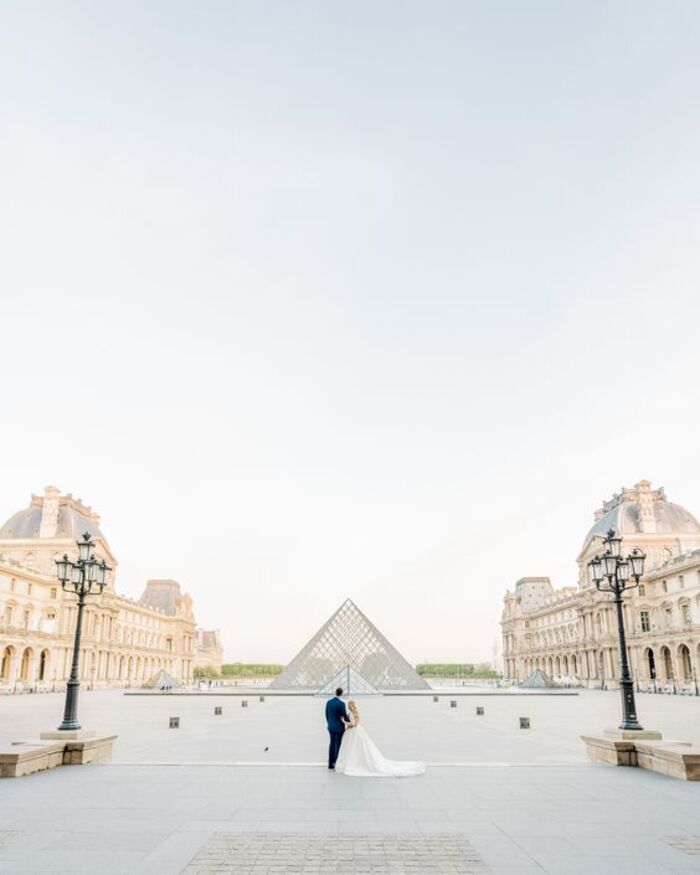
pixel 361 758
pixel 336 718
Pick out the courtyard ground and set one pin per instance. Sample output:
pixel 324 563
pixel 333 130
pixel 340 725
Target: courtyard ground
pixel 207 797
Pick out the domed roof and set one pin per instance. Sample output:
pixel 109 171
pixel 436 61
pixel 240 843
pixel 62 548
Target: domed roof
pixel 69 519
pixel 643 510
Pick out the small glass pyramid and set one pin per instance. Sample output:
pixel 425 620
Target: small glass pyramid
pixel 539 679
pixel 349 642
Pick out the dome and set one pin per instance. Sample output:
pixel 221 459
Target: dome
pixel 643 510
pixel 67 518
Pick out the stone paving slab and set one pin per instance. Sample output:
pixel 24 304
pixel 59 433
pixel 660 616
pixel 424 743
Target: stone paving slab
pixel 372 853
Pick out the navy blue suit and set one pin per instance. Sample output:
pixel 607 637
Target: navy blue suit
pixel 335 713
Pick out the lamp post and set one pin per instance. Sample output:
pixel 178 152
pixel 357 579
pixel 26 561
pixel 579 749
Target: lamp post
pixel 79 578
pixel 621 573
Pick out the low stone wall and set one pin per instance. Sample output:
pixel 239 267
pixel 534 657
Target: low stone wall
pixel 611 751
pixel 26 757
pixel 92 750
pixel 674 759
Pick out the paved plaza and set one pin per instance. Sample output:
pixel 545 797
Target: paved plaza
pixel 208 797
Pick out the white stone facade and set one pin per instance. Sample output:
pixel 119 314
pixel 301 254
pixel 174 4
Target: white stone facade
pixel 209 652
pixel 571 633
pixel 124 642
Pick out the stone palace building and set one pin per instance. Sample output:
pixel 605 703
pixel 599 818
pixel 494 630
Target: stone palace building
pixel 124 642
pixel 571 633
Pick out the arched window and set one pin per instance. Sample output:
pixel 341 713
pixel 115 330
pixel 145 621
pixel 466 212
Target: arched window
pixel 684 659
pixel 6 664
pixel 26 665
pixel 651 666
pixel 667 663
pixel 43 664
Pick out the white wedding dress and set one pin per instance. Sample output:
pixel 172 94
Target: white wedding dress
pixel 361 758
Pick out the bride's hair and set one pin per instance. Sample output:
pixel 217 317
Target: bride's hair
pixel 352 706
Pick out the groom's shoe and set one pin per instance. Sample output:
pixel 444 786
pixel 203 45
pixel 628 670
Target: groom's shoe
pixel 331 768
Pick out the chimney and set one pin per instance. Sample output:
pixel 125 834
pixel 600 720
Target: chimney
pixel 49 513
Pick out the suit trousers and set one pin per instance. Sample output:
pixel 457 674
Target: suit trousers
pixel 334 747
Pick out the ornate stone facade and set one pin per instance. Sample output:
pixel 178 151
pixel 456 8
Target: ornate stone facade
pixel 125 642
pixel 571 633
pixel 209 652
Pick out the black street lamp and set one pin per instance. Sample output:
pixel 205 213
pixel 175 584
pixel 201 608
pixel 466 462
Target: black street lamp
pixel 618 570
pixel 79 577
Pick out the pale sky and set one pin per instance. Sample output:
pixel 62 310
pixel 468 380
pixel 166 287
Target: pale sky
pixel 370 299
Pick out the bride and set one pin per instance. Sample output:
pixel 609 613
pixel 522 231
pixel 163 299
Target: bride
pixel 360 757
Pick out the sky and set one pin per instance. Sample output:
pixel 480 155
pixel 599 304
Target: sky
pixel 375 300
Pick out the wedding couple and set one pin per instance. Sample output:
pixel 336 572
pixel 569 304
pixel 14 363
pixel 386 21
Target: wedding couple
pixel 353 752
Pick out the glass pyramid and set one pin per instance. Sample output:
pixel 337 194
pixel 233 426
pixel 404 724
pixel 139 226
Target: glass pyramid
pixel 349 642
pixel 539 679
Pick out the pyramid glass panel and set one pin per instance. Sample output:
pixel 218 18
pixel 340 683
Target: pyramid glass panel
pixel 352 682
pixel 349 640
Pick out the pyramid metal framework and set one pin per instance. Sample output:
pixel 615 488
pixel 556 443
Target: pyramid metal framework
pixel 349 642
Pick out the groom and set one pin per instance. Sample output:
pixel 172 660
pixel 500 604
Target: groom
pixel 336 712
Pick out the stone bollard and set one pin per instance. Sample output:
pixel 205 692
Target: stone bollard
pixel 479 710
pixel 261 699
pixel 524 722
pixel 244 703
pixel 453 703
pixel 174 722
pixel 436 698
pixel 218 710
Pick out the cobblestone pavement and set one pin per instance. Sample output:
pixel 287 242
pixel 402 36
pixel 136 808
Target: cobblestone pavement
pixel 387 854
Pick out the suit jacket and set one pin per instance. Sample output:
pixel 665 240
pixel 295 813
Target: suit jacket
pixel 335 711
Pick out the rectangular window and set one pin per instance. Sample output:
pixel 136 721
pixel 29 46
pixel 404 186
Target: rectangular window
pixel 644 620
pixel 664 586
